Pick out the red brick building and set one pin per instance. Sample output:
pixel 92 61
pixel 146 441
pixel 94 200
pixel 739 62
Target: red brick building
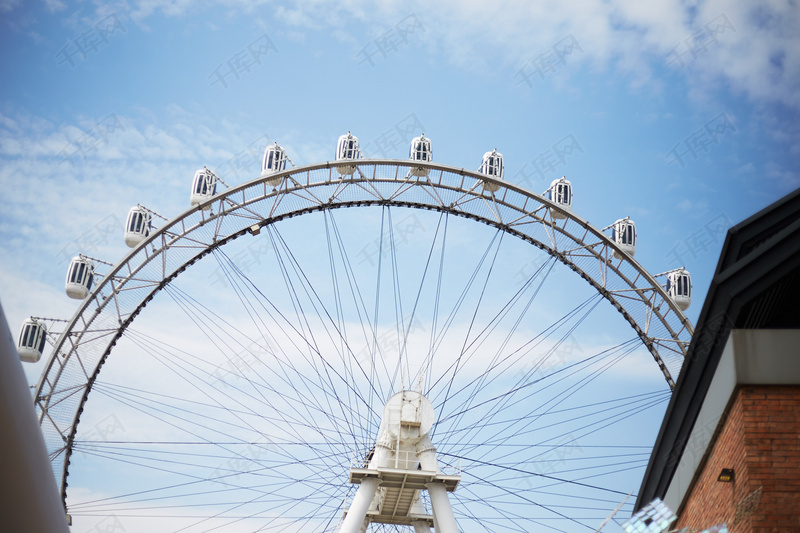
pixel 729 447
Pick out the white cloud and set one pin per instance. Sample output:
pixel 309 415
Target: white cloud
pixel 758 55
pixel 9 5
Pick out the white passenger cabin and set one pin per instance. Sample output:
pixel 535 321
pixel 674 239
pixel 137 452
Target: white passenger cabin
pixel 204 187
pixel 79 277
pixel 138 226
pixel 492 165
pixel 274 162
pixel 624 235
pixel 420 150
pixel 347 150
pixel 679 288
pixel 32 337
pixel 560 193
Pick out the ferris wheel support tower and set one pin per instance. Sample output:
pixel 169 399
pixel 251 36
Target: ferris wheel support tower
pixel 400 466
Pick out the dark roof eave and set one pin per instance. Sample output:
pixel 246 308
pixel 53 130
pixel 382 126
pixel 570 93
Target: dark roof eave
pixel 736 281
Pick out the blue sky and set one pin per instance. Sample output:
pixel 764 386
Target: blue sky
pixel 682 115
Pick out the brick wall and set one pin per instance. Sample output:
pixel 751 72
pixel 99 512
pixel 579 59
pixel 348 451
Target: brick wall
pixel 760 440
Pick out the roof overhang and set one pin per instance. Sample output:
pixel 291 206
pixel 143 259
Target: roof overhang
pixel 756 286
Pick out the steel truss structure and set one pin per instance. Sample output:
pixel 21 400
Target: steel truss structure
pixel 126 288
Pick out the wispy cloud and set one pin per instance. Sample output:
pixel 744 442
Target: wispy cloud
pixel 761 58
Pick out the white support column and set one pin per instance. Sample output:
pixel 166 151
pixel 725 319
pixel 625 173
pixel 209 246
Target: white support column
pixel 420 526
pixel 442 511
pixel 358 509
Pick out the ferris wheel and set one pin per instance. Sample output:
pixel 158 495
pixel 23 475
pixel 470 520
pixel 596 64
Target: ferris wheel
pixel 452 352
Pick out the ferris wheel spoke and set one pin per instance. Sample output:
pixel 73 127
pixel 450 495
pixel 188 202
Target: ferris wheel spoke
pixel 448 376
pixel 328 390
pixel 526 500
pixel 497 369
pixel 172 361
pixel 530 390
pixel 341 324
pixel 334 337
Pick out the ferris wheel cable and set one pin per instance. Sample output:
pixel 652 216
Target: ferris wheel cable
pixel 376 308
pixel 443 403
pixel 188 368
pixel 616 418
pixel 105 447
pixel 310 290
pixel 145 397
pixel 606 355
pixel 276 492
pixel 600 474
pixel 508 518
pixel 302 323
pixel 543 476
pixel 187 305
pixel 397 301
pixel 363 316
pixel 340 317
pixel 656 393
pixel 307 286
pixel 452 316
pixel 197 479
pixel 179 485
pixel 511 391
pixel 602 410
pixel 501 405
pixel 361 307
pixel 572 389
pixel 534 341
pixel 479 503
pixel 201 424
pixel 518 495
pixel 425 368
pixel 582 496
pixel 232 519
pixel 483 380
pixel 235 455
pixel 295 299
pixel 145 461
pixel 574 367
pixel 318 354
pixel 400 329
pixel 438 336
pixel 638 462
pixel 494 322
pixel 141 393
pixel 202 391
pixel 604 474
pixel 161 507
pixel 407 330
pixel 495 445
pixel 224 408
pixel 146 403
pixel 555 424
pixel 482 501
pixel 216 515
pixel 298 373
pixel 436 303
pixel 518 432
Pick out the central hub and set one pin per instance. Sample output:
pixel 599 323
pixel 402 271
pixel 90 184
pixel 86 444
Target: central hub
pixel 403 440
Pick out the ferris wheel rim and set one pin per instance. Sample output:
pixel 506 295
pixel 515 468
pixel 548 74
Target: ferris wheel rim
pixel 285 175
